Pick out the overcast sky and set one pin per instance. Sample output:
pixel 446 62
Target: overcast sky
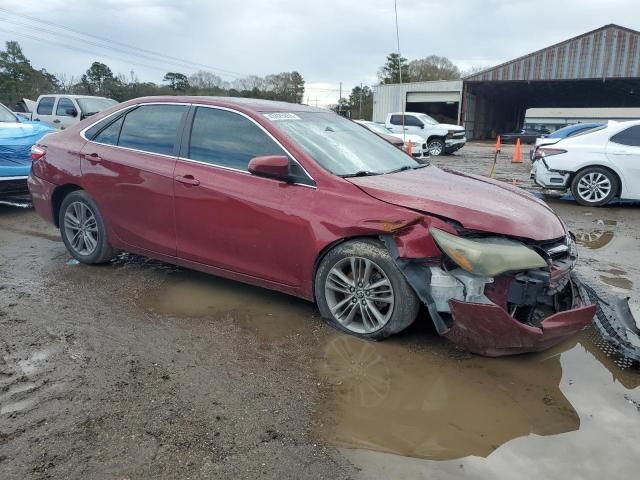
pixel 327 41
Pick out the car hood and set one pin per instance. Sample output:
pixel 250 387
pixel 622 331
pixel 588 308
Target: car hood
pixel 478 203
pixel 450 126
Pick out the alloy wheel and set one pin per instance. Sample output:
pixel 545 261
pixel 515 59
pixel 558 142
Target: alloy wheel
pixel 435 148
pixel 359 295
pixel 81 228
pixel 594 187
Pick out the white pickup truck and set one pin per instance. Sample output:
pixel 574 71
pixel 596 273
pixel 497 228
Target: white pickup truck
pixel 441 138
pixel 63 111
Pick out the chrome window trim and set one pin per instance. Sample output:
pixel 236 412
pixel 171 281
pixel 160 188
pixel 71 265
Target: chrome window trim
pixel 82 134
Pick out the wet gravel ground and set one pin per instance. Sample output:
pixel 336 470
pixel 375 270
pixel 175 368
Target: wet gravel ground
pixel 141 370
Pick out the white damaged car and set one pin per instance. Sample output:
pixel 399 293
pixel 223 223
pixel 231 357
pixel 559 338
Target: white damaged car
pixel 596 166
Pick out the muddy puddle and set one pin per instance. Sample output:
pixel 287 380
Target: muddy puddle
pixel 269 315
pixel 392 404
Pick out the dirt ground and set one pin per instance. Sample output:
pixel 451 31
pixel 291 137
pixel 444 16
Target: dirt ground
pixel 139 370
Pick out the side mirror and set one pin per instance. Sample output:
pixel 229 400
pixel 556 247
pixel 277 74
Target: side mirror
pixel 272 166
pixel 72 112
pixel 422 126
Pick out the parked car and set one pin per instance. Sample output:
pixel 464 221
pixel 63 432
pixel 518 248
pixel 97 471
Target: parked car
pixel 17 136
pixel 568 131
pixel 441 138
pixel 418 145
pixel 526 135
pixel 303 201
pixel 63 111
pixel 596 166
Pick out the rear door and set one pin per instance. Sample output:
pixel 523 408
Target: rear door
pixel 44 111
pixel 128 168
pixel 623 150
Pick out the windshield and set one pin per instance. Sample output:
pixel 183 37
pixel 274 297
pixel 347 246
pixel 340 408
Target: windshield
pixel 341 146
pixel 95 104
pixel 377 128
pixel 427 119
pixel 6 115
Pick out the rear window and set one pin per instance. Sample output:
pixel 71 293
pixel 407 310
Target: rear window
pixel 396 120
pixel 45 106
pixel 629 136
pixel 152 128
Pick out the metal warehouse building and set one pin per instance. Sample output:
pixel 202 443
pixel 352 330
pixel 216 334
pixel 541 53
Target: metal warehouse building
pixel 599 69
pixel 441 99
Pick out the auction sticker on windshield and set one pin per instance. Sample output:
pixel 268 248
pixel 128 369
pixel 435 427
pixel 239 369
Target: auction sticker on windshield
pixel 282 116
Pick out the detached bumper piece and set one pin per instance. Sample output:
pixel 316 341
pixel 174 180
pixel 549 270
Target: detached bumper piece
pixel 487 329
pixel 614 322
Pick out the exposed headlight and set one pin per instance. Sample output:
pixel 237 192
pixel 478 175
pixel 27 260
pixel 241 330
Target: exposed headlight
pixel 488 257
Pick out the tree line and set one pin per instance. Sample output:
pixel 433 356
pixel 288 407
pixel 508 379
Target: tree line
pixel 19 79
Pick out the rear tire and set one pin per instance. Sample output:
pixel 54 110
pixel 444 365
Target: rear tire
pixel 594 186
pixel 360 290
pixel 83 229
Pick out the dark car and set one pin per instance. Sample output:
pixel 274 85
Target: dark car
pixel 565 132
pixel 526 135
pixel 300 200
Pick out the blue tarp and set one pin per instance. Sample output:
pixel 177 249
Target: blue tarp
pixel 16 140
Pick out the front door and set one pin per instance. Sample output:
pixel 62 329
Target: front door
pixel 65 116
pixel 128 168
pixel 231 219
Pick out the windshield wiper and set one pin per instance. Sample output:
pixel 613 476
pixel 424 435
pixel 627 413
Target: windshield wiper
pixel 360 173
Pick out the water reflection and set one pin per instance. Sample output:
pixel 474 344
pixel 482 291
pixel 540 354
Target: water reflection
pixel 600 235
pixel 425 404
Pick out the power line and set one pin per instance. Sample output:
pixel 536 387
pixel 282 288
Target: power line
pixel 78 49
pixel 52 32
pixel 122 44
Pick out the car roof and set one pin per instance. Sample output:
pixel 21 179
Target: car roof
pixel 254 104
pixel 71 96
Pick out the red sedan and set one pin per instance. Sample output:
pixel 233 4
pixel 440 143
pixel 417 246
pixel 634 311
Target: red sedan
pixel 301 200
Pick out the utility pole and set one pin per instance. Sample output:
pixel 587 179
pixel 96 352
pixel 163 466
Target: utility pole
pixel 339 99
pixel 360 115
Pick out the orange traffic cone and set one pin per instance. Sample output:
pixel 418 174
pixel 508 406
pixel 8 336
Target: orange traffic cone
pixel 498 144
pixel 410 147
pixel 517 153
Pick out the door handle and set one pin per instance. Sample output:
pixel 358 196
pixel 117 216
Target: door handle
pixel 93 157
pixel 56 121
pixel 188 180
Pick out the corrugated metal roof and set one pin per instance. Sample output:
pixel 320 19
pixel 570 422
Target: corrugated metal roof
pixel 611 51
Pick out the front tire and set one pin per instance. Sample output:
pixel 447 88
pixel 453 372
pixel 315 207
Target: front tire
pixel 594 186
pixel 436 147
pixel 83 230
pixel 360 290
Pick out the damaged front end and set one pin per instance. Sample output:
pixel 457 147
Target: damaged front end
pixel 496 296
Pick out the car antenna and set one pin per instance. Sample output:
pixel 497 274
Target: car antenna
pixel 404 134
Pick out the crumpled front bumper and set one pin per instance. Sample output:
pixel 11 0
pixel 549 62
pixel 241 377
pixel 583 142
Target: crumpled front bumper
pixel 487 329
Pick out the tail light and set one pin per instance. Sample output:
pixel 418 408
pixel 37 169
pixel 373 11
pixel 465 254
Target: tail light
pixel 547 152
pixel 37 153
